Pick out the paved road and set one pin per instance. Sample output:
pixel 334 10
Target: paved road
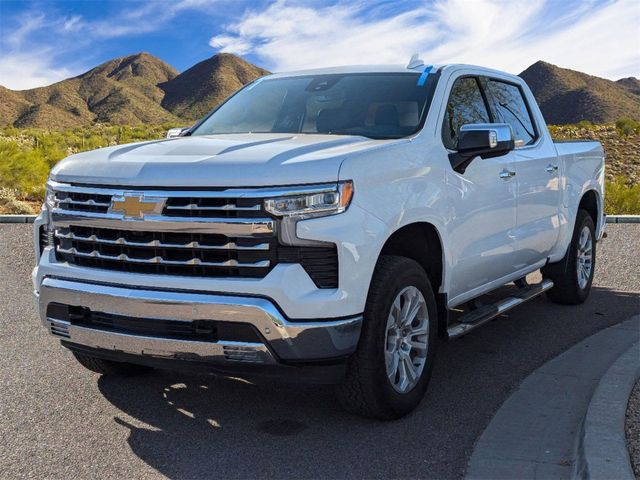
pixel 60 421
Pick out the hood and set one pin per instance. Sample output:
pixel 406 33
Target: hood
pixel 239 160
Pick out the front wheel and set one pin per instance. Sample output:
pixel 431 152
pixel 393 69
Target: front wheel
pixel 572 285
pixel 388 374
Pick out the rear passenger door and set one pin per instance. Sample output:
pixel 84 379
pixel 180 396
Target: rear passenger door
pixel 537 177
pixel 482 203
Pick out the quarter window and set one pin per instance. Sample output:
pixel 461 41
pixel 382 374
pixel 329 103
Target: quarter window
pixel 508 106
pixel 465 105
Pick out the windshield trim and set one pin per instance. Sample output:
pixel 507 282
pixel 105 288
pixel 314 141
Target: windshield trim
pixel 430 85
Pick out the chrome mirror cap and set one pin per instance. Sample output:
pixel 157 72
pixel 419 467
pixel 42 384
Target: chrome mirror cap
pixel 496 133
pixel 484 140
pixel 177 132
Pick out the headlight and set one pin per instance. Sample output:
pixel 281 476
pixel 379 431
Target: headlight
pixel 315 202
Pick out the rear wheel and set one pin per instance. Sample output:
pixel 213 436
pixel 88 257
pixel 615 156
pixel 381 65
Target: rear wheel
pixel 572 285
pixel 109 367
pixel 389 372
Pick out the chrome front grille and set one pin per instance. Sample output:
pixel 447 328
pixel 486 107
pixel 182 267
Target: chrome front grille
pixel 214 207
pixel 165 252
pixel 77 201
pixel 206 233
pixel 121 239
pixel 176 206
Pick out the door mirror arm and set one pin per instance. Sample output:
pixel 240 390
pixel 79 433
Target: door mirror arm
pixel 484 140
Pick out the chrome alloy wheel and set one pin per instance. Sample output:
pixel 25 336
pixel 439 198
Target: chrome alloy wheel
pixel 584 264
pixel 406 339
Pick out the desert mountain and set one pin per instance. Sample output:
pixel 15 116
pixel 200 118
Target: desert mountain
pixel 143 89
pixel 195 91
pixel 128 90
pixel 123 90
pixel 567 96
pixel 630 83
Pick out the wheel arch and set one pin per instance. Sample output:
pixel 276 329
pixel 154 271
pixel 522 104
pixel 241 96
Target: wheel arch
pixel 422 242
pixel 591 202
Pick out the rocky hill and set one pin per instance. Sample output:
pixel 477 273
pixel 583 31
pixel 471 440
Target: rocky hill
pixel 123 91
pixel 195 91
pixel 630 83
pixel 127 91
pixel 566 96
pixel 143 89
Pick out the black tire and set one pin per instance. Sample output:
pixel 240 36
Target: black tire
pixel 566 287
pixel 109 367
pixel 366 390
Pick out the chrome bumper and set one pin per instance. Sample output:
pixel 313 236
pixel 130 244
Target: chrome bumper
pixel 284 340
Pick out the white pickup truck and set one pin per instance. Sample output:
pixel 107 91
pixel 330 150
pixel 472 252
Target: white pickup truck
pixel 328 226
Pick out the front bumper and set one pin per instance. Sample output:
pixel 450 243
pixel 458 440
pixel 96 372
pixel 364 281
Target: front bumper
pixel 282 342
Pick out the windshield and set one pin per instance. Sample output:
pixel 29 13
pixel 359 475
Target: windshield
pixel 378 105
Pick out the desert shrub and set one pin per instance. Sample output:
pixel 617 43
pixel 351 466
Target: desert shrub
pixel 26 155
pixel 628 126
pixel 24 171
pixel 620 198
pixel 11 205
pixel 584 124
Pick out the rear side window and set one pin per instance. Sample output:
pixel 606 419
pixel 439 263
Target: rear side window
pixel 508 106
pixel 465 105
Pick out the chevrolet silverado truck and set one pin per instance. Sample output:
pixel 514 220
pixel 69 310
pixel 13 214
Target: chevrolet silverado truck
pixel 328 226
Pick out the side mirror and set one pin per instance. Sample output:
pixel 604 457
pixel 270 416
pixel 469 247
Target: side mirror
pixel 177 132
pixel 484 140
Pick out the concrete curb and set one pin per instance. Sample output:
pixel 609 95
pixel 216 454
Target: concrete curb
pixel 536 432
pixel 31 218
pixel 17 218
pixel 602 448
pixel 623 218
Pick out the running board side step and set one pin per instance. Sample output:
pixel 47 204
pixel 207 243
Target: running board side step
pixel 475 318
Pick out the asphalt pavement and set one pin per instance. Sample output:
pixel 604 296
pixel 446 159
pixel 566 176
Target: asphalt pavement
pixel 61 421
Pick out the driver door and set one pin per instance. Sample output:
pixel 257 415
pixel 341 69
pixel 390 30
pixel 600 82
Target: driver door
pixel 482 202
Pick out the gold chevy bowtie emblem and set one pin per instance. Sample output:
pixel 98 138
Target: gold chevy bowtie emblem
pixel 136 205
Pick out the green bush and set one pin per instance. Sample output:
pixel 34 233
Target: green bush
pixel 621 199
pixel 628 126
pixel 584 124
pixel 27 155
pixel 24 171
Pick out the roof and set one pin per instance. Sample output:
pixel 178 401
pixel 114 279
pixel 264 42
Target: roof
pixel 387 69
pixel 354 69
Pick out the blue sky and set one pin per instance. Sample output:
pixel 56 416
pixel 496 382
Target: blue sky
pixel 45 41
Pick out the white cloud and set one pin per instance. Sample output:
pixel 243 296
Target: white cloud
pixel 149 17
pixel 24 71
pixel 73 23
pixel 600 39
pixel 289 37
pixel 227 43
pixel 28 23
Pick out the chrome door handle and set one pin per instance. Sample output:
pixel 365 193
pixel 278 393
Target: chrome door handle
pixel 551 168
pixel 507 174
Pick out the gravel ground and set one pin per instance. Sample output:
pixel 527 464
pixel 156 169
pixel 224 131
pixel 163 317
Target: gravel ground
pixel 61 421
pixel 632 428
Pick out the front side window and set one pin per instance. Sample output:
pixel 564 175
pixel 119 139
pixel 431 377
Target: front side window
pixel 508 106
pixel 378 105
pixel 465 105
